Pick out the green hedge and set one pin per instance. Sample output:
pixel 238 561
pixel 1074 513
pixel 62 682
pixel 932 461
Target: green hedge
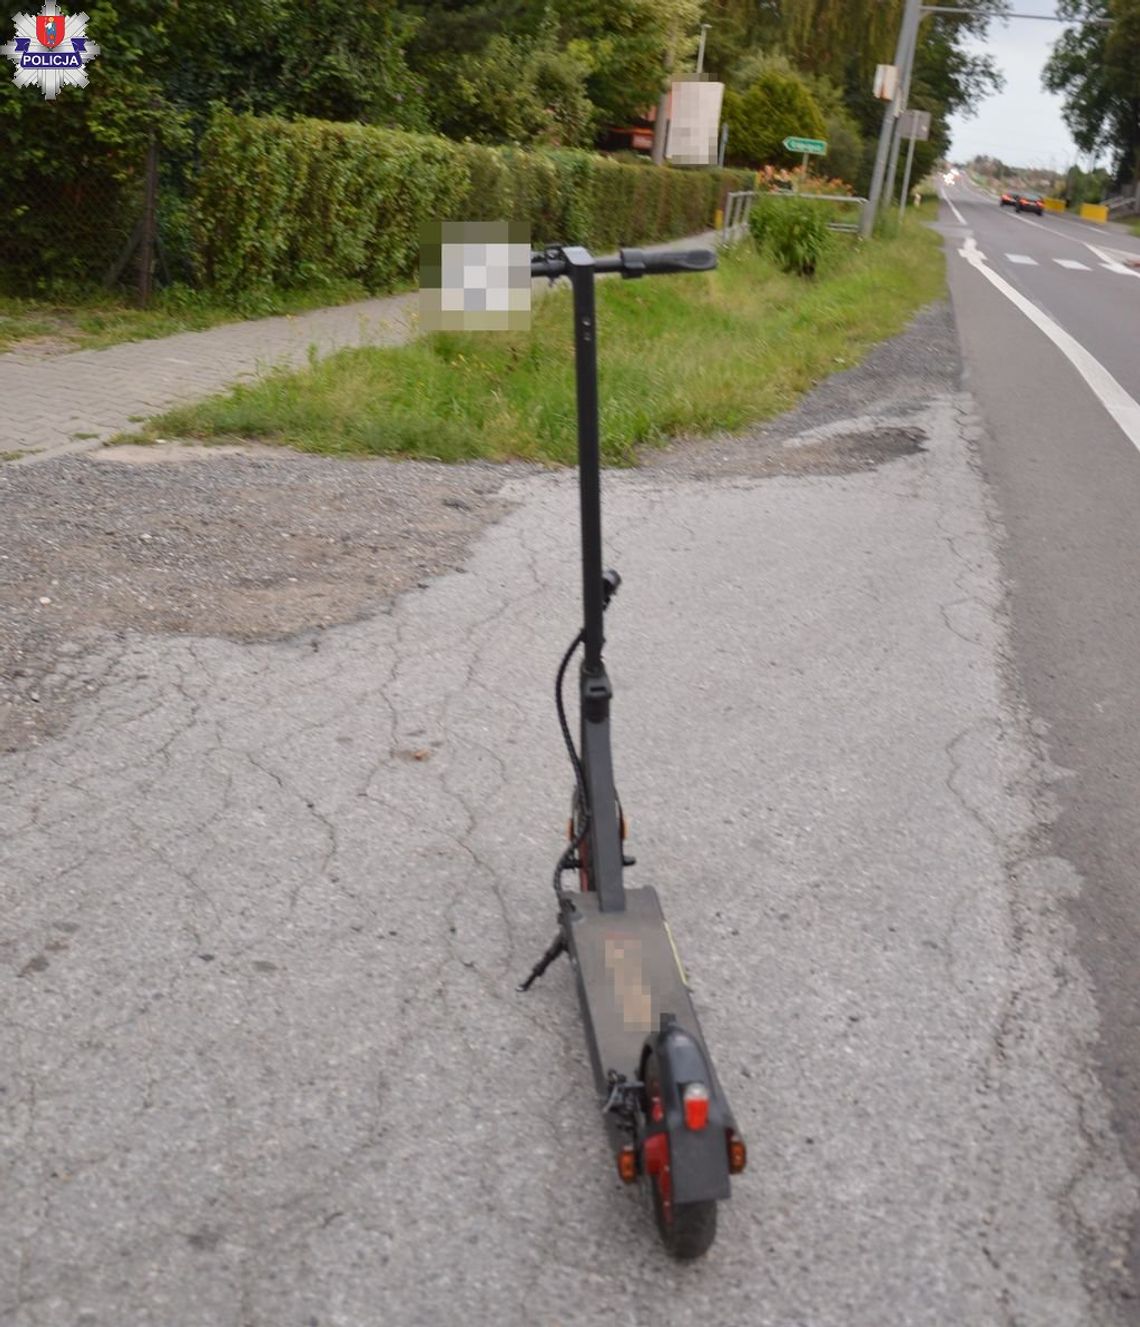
pixel 293 202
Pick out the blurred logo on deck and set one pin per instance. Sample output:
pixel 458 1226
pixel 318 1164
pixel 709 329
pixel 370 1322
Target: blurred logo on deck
pixel 50 50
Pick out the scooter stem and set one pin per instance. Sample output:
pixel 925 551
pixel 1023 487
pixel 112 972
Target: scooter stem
pixel 580 265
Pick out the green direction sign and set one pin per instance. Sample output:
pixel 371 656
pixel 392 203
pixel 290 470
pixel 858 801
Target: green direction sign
pixel 812 147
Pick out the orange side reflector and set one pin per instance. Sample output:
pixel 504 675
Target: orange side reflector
pixel 696 1100
pixel 737 1153
pixel 627 1164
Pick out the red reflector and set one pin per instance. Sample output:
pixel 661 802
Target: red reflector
pixel 696 1099
pixel 656 1153
pixel 627 1164
pixel 737 1153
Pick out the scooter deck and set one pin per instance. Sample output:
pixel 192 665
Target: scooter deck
pixel 629 974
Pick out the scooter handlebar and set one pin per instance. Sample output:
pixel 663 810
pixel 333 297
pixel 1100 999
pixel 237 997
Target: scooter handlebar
pixel 650 262
pixel 629 262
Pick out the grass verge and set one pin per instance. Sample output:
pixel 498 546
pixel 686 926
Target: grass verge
pixel 93 321
pixel 683 354
pixel 1134 226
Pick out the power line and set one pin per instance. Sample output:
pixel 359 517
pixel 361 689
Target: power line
pixel 1048 18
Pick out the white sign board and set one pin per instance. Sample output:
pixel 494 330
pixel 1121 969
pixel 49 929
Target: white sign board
pixel 694 122
pixel 886 80
pixel 915 124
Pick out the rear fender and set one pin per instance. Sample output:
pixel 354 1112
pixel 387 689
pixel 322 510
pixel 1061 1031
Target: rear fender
pixel 698 1158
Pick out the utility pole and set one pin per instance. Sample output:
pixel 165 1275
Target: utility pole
pixel 906 179
pixel 661 123
pixel 910 20
pixel 904 104
pixel 701 49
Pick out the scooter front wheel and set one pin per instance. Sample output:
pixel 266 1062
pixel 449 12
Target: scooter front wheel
pixel 687 1230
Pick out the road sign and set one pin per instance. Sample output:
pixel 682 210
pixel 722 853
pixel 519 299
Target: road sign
pixel 810 147
pixel 886 80
pixel 915 124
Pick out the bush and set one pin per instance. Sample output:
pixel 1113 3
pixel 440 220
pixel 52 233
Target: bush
pixel 760 218
pixel 296 202
pixel 793 230
pixel 776 104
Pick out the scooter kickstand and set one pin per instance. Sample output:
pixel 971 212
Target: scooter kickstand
pixel 558 946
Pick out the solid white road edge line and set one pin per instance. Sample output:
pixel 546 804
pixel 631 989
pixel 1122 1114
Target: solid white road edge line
pixel 946 200
pixel 1104 386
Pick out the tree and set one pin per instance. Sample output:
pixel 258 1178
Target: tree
pixel 842 39
pixel 776 103
pixel 841 130
pixel 1096 66
pixel 516 90
pixel 631 46
pixel 618 51
pixel 738 29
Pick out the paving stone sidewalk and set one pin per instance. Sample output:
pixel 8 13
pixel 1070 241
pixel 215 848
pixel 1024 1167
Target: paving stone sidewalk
pixel 76 401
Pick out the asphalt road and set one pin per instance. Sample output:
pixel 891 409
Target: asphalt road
pixel 1065 475
pixel 1077 272
pixel 264 906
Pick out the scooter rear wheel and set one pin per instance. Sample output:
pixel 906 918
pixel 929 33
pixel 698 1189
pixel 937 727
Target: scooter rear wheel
pixel 687 1230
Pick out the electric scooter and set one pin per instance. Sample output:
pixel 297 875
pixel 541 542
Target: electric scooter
pixel 665 1113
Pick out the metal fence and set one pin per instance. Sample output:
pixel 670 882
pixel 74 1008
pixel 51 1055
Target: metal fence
pixel 1124 205
pixel 58 231
pixel 738 208
pixel 96 228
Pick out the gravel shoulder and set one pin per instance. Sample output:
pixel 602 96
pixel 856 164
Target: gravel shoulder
pixel 245 544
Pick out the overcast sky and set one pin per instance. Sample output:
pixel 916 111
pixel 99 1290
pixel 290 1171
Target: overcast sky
pixel 1023 124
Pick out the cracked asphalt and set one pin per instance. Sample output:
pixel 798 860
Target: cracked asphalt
pixel 265 903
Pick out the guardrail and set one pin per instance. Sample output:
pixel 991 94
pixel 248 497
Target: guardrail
pixel 851 227
pixel 738 207
pixel 1123 204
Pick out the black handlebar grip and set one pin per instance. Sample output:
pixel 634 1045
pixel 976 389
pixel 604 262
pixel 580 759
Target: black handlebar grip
pixel 646 262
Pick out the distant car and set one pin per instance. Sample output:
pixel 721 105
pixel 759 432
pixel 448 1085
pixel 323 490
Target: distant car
pixel 1029 203
pixel 1008 200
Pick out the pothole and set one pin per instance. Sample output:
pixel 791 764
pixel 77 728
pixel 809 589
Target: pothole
pixel 854 445
pixel 843 453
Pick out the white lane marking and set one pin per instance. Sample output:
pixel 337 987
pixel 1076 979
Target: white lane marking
pixel 1022 258
pixel 1122 407
pixel 1071 263
pixel 1061 233
pixel 961 218
pixel 1108 261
